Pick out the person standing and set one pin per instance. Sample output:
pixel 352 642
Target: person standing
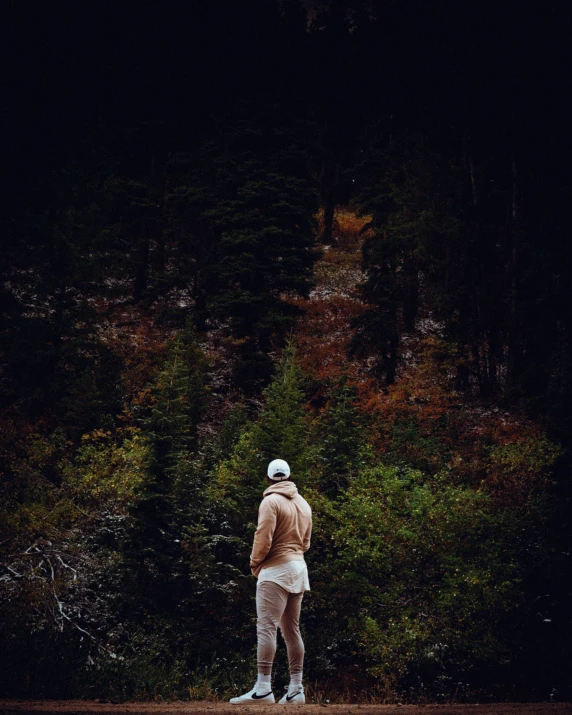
pixel 277 560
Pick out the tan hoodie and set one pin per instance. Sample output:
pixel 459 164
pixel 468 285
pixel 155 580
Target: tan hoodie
pixel 284 527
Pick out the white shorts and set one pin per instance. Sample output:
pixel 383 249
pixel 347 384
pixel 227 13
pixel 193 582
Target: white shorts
pixel 292 576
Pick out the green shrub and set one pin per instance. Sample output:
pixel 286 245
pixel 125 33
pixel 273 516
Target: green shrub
pixel 416 578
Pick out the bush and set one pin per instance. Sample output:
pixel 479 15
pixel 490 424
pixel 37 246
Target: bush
pixel 416 579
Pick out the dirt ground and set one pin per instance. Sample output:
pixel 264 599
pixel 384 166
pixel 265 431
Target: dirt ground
pixel 91 707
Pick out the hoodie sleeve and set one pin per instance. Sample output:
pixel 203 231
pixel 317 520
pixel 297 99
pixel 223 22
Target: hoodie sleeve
pixel 307 537
pixel 264 533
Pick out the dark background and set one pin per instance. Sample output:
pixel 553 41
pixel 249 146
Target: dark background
pixel 113 111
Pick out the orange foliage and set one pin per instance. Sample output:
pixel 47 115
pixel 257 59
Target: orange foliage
pixel 485 446
pixel 421 418
pixel 346 228
pixel 323 336
pixel 140 343
pixel 324 331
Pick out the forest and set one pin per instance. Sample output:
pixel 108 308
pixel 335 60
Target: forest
pixel 332 232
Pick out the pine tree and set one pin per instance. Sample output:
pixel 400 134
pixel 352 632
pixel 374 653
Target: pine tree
pixel 341 436
pixel 249 196
pixel 52 269
pixel 426 259
pixel 394 190
pixel 281 431
pixel 151 548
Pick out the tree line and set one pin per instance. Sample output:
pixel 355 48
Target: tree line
pixel 151 279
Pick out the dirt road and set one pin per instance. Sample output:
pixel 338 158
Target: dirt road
pixel 90 707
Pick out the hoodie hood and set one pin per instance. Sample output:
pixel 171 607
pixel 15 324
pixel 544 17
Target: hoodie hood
pixel 287 489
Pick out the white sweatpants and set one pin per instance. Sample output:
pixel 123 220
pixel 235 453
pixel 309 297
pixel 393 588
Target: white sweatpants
pixel 276 607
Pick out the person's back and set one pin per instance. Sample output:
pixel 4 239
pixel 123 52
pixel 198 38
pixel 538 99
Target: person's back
pixel 284 527
pixel 277 559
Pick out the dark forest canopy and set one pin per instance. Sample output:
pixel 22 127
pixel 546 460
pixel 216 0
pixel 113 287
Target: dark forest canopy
pixel 107 100
pixel 333 231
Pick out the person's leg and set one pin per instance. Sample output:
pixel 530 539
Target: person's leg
pixel 271 601
pixel 290 627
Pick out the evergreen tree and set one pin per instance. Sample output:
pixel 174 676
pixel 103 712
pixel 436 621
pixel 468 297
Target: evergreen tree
pixel 151 548
pixel 249 196
pixel 436 256
pixel 341 433
pixel 411 198
pixel 336 100
pixel 281 431
pixel 52 270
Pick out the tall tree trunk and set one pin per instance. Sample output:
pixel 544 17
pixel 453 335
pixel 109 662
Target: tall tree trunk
pixel 330 176
pixel 160 251
pixel 329 211
pixel 141 270
pixel 391 370
pixel 410 293
pixel 514 338
pixel 470 164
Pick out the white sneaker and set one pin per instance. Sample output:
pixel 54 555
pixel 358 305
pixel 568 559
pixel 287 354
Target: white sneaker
pixel 254 696
pixel 294 696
